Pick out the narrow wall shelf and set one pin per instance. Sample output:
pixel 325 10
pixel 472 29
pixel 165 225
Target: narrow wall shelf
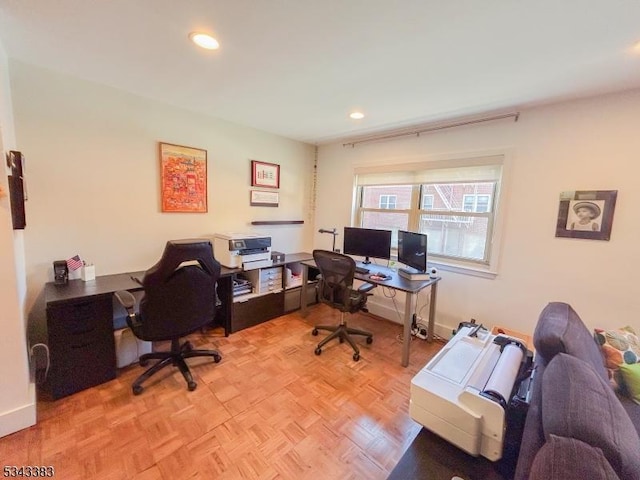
pixel 277 222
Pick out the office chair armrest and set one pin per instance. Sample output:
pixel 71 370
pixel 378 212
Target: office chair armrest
pixel 128 301
pixel 366 287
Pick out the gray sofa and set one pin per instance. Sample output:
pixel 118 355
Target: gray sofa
pixel 577 427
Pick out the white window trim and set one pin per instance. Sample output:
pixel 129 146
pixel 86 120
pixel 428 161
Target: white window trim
pixel 490 271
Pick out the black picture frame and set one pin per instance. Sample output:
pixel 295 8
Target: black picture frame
pixel 17 196
pixel 586 214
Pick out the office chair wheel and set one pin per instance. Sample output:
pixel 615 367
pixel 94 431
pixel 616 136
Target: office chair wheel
pixel 369 340
pixel 143 362
pixel 137 389
pixel 217 358
pixel 314 332
pixel 318 351
pixel 191 386
pixel 356 357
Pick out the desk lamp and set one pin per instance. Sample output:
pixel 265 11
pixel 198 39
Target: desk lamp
pixel 332 232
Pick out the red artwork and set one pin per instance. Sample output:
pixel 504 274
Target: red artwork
pixel 183 172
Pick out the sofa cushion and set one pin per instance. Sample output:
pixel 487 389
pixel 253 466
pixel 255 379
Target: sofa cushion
pixel 630 375
pixel 560 330
pixel 579 403
pixel 564 458
pixel 632 409
pixel 533 435
pixel 619 346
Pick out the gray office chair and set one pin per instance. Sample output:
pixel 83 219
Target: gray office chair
pixel 179 298
pixel 335 288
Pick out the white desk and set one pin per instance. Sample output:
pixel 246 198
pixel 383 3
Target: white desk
pixel 411 289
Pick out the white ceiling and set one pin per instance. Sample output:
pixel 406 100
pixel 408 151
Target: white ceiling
pixel 298 67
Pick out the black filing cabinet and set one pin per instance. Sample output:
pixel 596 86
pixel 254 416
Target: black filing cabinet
pixel 257 310
pixel 81 344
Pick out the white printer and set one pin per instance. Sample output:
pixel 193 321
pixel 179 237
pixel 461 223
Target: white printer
pixel 242 250
pixel 464 394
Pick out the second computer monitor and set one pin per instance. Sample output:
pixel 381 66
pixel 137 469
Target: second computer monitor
pixel 367 242
pixel 412 250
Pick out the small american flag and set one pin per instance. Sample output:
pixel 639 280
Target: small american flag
pixel 74 263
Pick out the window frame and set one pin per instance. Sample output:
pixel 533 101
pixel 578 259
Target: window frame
pixel 499 160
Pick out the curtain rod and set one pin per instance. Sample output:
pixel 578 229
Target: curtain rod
pixel 418 130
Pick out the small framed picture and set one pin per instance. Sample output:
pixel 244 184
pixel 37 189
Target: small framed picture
pixel 586 214
pixel 265 174
pixel 264 199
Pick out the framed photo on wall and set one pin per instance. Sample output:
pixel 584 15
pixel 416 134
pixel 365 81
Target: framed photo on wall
pixel 265 174
pixel 183 178
pixel 586 214
pixel 264 199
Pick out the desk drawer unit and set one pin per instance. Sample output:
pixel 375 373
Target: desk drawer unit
pixel 257 310
pixel 81 345
pixel 265 280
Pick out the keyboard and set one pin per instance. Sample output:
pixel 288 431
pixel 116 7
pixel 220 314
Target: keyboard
pixel 362 270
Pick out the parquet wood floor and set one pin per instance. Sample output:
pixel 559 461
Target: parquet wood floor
pixel 271 409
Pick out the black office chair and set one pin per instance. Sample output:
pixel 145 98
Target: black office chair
pixel 335 288
pixel 179 298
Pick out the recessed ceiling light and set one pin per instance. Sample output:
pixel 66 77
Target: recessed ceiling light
pixel 357 115
pixel 636 47
pixel 205 41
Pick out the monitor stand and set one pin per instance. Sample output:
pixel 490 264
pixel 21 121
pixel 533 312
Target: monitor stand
pixel 363 267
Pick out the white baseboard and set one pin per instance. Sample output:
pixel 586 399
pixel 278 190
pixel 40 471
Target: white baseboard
pixel 387 311
pixel 21 417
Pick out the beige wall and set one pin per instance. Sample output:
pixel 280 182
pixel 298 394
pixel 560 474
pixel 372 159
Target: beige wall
pixel 17 401
pixel 591 144
pixel 93 176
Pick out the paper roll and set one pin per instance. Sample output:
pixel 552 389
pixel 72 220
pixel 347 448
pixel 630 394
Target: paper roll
pixel 505 372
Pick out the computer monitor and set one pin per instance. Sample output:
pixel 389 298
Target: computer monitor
pixel 412 250
pixel 367 242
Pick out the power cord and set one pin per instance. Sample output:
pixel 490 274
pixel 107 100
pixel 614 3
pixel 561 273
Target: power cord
pixel 40 377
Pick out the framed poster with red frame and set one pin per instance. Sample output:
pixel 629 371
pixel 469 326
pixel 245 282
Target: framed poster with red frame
pixel 265 175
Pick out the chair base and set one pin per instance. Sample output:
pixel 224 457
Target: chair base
pixel 176 356
pixel 342 333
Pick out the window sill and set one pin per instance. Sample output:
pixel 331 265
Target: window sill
pixel 464 269
pixel 451 266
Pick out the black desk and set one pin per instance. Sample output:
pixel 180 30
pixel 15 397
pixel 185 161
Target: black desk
pixel 80 332
pixel 79 318
pixel 396 282
pixel 80 329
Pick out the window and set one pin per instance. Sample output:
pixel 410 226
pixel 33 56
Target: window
pixel 388 201
pixel 427 202
pixel 454 206
pixel 476 203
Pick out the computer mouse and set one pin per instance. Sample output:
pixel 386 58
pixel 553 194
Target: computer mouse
pixel 381 276
pixel 377 276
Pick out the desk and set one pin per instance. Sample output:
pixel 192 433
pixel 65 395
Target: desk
pixel 79 318
pixel 80 332
pixel 396 282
